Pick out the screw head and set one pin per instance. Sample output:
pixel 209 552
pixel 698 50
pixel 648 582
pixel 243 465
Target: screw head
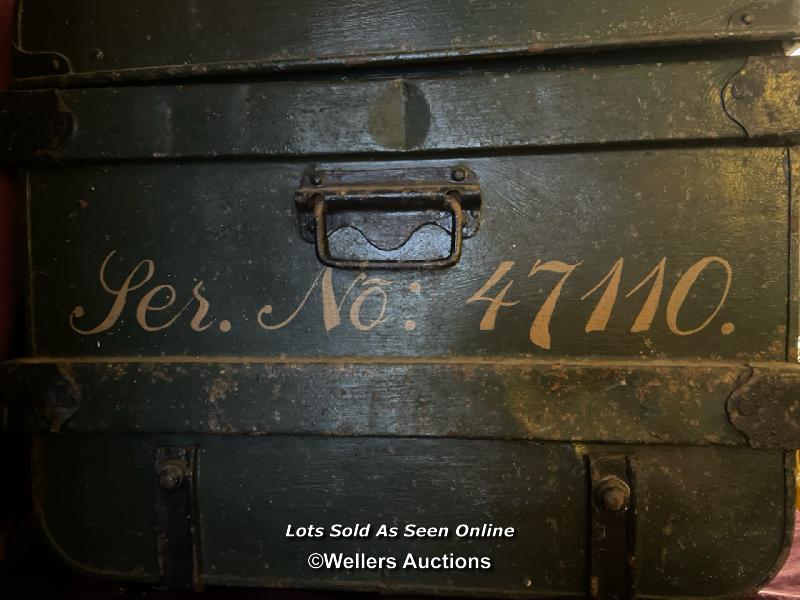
pixel 612 494
pixel 316 179
pixel 458 174
pixel 748 19
pixel 614 499
pixel 172 474
pixel 97 54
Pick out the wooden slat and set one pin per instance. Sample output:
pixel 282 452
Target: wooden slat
pixel 666 402
pixel 151 38
pixel 494 109
pixel 478 111
pixel 233 226
pixel 603 402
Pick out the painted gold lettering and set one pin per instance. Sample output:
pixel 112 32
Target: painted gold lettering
pixel 202 309
pixel 683 287
pixel 540 328
pixel 355 309
pixel 645 317
pixel 120 296
pixel 331 310
pixel 146 305
pixel 495 304
pixel 602 312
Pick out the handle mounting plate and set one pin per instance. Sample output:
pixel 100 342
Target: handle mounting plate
pixel 388 207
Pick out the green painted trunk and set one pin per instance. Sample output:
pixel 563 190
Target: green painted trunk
pixel 298 266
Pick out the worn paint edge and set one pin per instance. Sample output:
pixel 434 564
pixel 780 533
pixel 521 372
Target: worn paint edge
pixel 40 519
pixel 382 58
pixel 793 308
pixel 29 275
pixel 484 361
pixel 786 546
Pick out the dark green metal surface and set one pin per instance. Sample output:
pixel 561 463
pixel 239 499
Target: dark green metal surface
pixel 251 487
pixel 74 41
pixel 620 313
pixel 234 228
pixel 519 105
pixel 669 402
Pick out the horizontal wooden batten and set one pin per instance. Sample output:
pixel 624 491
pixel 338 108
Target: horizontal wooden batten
pixel 678 403
pixel 478 111
pixel 150 39
pixel 646 219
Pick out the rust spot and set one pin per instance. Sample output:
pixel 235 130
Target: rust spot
pixel 218 391
pixel 538 47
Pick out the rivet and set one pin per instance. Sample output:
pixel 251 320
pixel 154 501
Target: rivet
pixel 458 174
pixel 612 494
pixel 316 179
pixel 172 474
pixel 748 19
pixel 97 54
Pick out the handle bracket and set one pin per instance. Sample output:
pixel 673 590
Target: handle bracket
pixel 388 208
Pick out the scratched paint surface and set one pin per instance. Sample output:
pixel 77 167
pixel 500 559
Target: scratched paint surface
pixel 187 259
pixel 194 38
pixel 258 484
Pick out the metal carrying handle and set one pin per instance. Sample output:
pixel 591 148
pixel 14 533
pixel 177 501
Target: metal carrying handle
pixel 326 258
pixel 383 194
